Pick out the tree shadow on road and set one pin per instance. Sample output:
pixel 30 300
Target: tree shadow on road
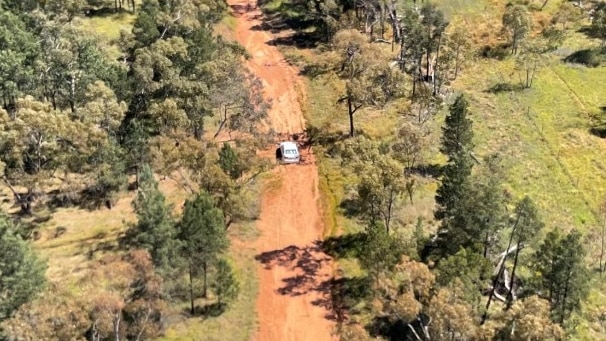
pixel 338 295
pixel 304 260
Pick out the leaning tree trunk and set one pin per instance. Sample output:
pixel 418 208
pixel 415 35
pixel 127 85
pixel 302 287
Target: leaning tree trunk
pixel 511 294
pixel 501 267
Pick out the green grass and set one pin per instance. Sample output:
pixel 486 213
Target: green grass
pixel 543 136
pixel 108 27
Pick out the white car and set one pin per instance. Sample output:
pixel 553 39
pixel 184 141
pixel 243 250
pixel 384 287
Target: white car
pixel 288 152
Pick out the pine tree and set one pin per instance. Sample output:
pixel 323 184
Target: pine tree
pixel 203 236
pixel 230 162
pixel 563 274
pixel 225 285
pixel 155 229
pixel 457 143
pixel 457 134
pixel 380 251
pixel 451 196
pixel 21 272
pixel 527 225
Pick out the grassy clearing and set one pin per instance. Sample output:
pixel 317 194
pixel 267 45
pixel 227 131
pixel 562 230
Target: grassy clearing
pixel 543 135
pixel 89 235
pixel 106 29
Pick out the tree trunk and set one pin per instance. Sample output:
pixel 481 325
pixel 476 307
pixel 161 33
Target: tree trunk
pixel 427 62
pixel 402 55
pixel 389 208
pixel 117 319
pixel 197 132
pixel 564 298
pixel 510 294
pixel 534 70
pixel 72 93
pixel 351 118
pixel 222 123
pixel 382 22
pixel 204 269
pixel 499 272
pixel 457 62
pixel 191 288
pixel 486 238
pixel 435 67
pixel 136 176
pixel 397 31
pixel 602 249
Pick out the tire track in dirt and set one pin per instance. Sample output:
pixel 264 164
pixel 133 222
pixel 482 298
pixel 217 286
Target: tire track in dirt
pixel 294 274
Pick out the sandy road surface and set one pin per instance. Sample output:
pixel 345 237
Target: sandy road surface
pixel 294 300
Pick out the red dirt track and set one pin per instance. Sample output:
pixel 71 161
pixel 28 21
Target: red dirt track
pixel 294 274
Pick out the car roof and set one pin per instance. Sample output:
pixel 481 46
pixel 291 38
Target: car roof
pixel 289 145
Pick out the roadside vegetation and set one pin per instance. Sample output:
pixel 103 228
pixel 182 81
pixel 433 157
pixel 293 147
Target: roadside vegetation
pixel 459 144
pixel 528 73
pixel 127 162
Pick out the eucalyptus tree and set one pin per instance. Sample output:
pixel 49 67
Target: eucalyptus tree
pixel 37 142
pixel 517 23
pixel 18 51
pixel 369 80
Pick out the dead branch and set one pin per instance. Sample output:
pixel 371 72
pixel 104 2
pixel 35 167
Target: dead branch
pixel 502 258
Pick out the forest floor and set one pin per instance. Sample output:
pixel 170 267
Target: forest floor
pixel 294 274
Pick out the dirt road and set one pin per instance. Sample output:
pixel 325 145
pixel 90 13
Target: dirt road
pixel 294 301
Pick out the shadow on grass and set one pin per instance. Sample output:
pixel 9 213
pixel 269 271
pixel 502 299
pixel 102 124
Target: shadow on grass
pixel 287 16
pixel 498 52
pixel 344 246
pixel 351 207
pixel 586 57
pixel 599 130
pixel 341 295
pixel 589 32
pixel 397 330
pixel 207 310
pixel 599 127
pixel 298 39
pixel 104 12
pixel 432 170
pixel 314 70
pixel 322 137
pixel 504 87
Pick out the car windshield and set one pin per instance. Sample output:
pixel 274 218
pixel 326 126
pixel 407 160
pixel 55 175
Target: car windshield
pixel 290 152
